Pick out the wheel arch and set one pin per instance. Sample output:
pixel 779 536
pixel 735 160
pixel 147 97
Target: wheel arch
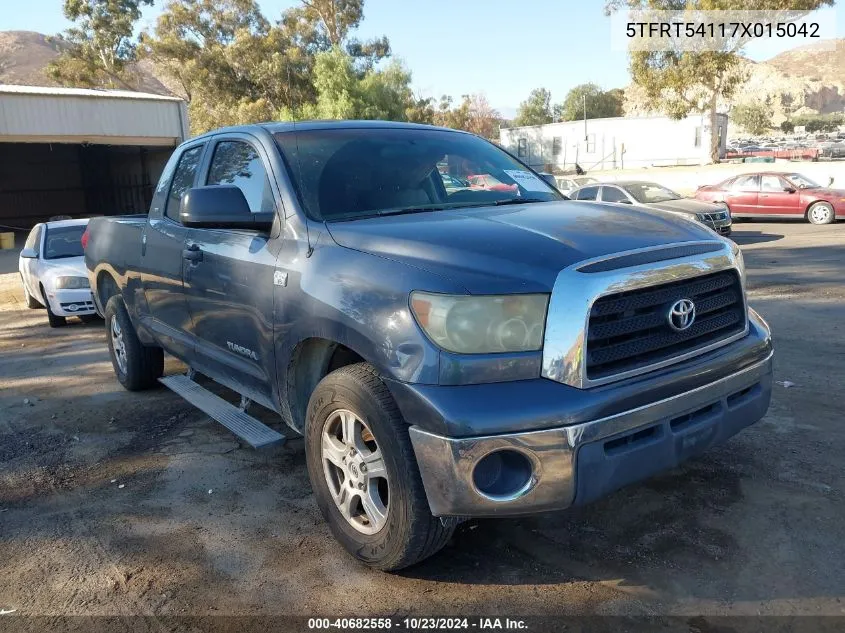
pixel 311 360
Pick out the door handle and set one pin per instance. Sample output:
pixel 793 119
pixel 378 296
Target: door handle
pixel 192 253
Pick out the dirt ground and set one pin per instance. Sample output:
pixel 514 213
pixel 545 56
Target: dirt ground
pixel 119 503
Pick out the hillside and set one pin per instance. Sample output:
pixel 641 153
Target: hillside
pixel 24 56
pixel 805 80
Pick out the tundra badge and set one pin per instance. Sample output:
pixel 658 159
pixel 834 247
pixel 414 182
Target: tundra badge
pixel 243 351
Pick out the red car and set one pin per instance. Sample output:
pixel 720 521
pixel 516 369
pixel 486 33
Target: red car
pixel 488 182
pixel 777 195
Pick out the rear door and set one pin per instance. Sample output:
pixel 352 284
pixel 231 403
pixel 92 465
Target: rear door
pixel 162 255
pixel 614 194
pixel 586 193
pixel 741 195
pixel 230 288
pixel 775 197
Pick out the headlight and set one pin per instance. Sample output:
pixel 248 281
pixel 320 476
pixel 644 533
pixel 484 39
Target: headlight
pixel 71 283
pixel 482 325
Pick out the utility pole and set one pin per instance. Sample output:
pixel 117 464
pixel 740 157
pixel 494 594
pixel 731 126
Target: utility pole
pixel 585 116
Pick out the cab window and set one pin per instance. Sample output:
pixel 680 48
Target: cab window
pixel 238 163
pixel 183 179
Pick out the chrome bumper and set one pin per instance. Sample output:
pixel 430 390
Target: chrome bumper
pixel 576 464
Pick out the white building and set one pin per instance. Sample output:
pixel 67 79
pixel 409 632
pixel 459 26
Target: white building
pixel 68 151
pixel 616 143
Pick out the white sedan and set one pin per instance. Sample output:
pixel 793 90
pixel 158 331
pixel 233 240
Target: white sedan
pixel 52 267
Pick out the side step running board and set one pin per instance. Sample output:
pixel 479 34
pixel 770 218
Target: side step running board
pixel 236 420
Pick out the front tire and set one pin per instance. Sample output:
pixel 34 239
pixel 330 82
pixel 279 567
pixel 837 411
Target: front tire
pixel 364 473
pixel 821 213
pixel 53 319
pixel 136 366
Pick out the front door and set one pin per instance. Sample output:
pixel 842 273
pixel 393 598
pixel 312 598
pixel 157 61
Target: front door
pixel 230 286
pixel 742 193
pixel 162 257
pixel 778 197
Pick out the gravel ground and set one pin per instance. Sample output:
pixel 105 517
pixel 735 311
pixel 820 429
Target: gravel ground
pixel 114 503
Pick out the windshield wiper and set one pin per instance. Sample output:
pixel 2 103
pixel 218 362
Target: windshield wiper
pixel 500 203
pixel 414 210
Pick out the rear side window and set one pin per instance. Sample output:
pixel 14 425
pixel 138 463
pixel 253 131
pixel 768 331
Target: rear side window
pixel 238 163
pixel 183 179
pixel 746 183
pixel 612 194
pixel 587 193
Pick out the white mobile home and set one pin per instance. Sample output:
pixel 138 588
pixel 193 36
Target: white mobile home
pixel 617 143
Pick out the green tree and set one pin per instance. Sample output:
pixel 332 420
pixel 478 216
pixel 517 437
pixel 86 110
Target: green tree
pixel 536 110
pixel 755 118
pixel 681 82
pixel 100 47
pixel 787 126
pixel 600 104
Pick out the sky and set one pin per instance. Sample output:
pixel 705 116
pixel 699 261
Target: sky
pixel 502 48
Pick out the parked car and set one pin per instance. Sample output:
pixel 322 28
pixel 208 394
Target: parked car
pixel 53 273
pixel 490 183
pixel 654 196
pixel 453 183
pixel 568 184
pixel 444 355
pixel 777 195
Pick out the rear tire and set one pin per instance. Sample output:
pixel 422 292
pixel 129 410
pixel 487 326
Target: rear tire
pixel 404 532
pixel 821 213
pixel 136 366
pixel 53 319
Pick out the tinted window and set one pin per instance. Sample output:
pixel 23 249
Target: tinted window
pixel 238 163
pixel 613 194
pixel 587 193
pixel 183 179
pixel 344 173
pixel 647 192
pixel 745 183
pixel 64 241
pixel 33 241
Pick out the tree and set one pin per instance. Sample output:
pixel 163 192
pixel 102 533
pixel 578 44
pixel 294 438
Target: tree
pixel 755 118
pixel 600 104
pixel 536 110
pixel 680 82
pixel 100 47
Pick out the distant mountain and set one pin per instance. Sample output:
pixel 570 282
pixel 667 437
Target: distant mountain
pixel 805 80
pixel 24 56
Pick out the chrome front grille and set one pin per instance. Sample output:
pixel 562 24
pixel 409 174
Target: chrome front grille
pixel 606 315
pixel 631 329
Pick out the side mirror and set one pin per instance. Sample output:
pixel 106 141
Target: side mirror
pixel 29 253
pixel 221 207
pixel 789 190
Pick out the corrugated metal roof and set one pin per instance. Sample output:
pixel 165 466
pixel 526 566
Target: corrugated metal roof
pixel 83 92
pixel 36 114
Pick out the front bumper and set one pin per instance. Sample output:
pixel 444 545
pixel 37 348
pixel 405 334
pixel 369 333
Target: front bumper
pixel 576 464
pixel 69 303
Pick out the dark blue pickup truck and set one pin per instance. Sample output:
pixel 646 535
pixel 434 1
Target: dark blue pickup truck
pixel 452 337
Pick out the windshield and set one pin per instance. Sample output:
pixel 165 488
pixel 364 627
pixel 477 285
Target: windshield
pixel 647 192
pixel 343 174
pixel 63 241
pixel 802 181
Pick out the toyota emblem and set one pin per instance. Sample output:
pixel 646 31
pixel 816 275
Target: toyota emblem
pixel 681 315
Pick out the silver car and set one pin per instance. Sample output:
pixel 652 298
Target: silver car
pixel 649 194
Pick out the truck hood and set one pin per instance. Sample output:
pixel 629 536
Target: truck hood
pixel 518 248
pixel 686 206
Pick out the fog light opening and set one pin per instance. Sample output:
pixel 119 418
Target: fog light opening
pixel 503 475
